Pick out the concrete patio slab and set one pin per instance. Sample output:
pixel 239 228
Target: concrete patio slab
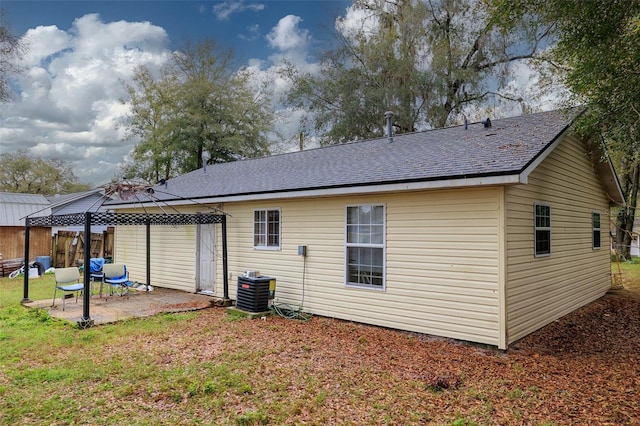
pixel 137 304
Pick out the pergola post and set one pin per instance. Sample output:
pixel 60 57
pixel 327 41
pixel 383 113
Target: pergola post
pixel 86 320
pixel 225 279
pixel 25 296
pixel 148 225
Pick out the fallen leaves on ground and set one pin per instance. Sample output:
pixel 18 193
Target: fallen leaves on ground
pixel 209 367
pixel 581 369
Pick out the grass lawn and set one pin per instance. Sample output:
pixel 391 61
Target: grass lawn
pixel 209 368
pixel 630 274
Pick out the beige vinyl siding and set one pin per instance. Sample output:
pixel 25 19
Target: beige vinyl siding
pixel 442 263
pixel 540 290
pixel 173 254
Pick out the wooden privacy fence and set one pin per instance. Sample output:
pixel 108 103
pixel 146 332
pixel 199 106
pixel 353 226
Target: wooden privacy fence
pixel 68 247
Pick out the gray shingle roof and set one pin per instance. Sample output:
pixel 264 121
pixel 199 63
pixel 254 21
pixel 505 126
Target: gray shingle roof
pixel 507 147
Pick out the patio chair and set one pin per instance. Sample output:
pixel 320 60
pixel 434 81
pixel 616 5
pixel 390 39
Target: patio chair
pixel 95 272
pixel 117 277
pixel 64 276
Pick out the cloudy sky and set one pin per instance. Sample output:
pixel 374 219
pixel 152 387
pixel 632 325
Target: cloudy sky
pixel 67 103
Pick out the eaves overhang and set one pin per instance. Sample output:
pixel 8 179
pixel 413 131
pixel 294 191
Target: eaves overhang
pixel 452 183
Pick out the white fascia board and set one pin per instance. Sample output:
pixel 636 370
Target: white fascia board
pixel 347 190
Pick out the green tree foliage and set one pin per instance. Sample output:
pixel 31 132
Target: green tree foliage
pixel 599 45
pixel 11 51
pixel 22 173
pixel 152 102
pixel 424 60
pixel 597 56
pixel 197 110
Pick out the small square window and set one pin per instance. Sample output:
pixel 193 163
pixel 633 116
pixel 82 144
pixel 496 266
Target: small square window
pixel 266 229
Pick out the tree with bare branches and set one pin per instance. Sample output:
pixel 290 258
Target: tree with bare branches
pixel 425 60
pixel 11 51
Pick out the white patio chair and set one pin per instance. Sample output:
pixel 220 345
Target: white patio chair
pixel 66 276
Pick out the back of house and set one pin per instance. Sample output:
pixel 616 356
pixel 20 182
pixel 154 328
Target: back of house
pixel 471 232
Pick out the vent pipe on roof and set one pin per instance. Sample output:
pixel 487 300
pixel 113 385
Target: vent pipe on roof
pixel 205 158
pixel 389 116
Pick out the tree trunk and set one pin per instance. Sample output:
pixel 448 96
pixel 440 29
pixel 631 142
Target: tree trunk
pixel 626 215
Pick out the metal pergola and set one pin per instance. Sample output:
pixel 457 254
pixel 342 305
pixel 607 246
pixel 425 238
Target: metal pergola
pixel 113 219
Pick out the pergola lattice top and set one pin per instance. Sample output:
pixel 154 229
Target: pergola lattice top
pixel 110 218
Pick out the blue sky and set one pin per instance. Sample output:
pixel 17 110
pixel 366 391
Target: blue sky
pixel 67 102
pixel 241 25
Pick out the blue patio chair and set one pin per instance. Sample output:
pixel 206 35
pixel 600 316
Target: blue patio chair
pixel 95 271
pixel 116 276
pixel 64 276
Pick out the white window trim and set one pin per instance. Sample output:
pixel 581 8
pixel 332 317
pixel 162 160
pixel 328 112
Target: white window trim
pixel 542 228
pixel 253 231
pixel 593 247
pixel 372 287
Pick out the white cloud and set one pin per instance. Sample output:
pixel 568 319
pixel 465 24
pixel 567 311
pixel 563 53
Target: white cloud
pixel 290 41
pixel 68 101
pixel 224 10
pixel 44 43
pixel 287 35
pixel 357 20
pixel 253 33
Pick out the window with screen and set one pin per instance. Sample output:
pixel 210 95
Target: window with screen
pixel 365 245
pixel 266 229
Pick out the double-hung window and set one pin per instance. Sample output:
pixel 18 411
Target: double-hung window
pixel 595 230
pixel 266 229
pixel 365 246
pixel 542 230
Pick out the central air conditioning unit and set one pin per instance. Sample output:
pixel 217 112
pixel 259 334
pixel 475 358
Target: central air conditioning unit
pixel 254 293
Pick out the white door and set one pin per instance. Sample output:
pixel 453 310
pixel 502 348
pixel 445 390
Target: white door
pixel 206 258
